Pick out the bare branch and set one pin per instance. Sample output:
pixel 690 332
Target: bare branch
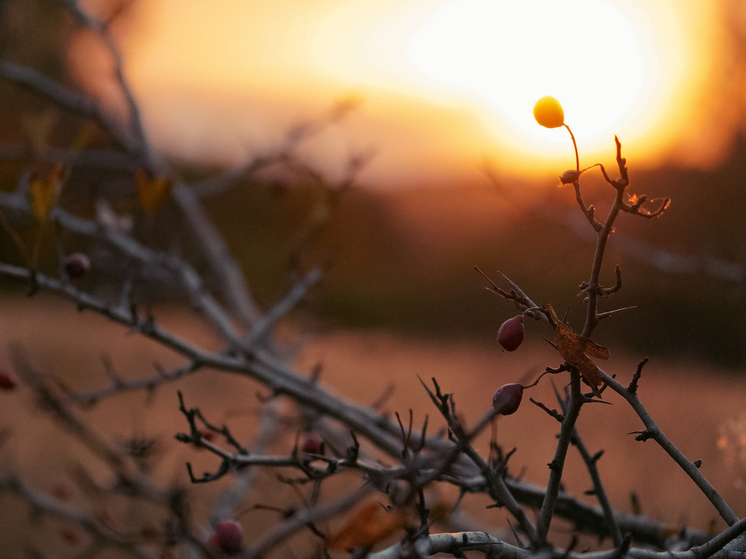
pixel 518 297
pixel 301 519
pixel 49 505
pixel 654 432
pixel 66 99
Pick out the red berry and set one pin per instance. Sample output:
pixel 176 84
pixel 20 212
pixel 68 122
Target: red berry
pixel 228 536
pixel 207 434
pixel 507 398
pixel 70 535
pixel 510 334
pixel 8 380
pixel 311 443
pixel 77 265
pixel 61 491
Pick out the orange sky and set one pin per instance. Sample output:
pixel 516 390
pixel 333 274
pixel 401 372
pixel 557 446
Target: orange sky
pixel 445 83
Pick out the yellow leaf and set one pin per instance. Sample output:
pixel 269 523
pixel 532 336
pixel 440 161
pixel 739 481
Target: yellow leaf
pixel 44 191
pixel 38 127
pixel 575 349
pixel 153 190
pixel 370 525
pixel 86 135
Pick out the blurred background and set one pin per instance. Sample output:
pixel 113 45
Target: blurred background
pixel 457 175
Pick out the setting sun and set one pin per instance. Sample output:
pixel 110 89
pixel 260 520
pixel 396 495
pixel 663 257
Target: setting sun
pixel 445 83
pixel 506 55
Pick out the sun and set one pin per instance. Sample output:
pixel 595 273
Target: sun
pixel 506 55
pixel 618 67
pixel 450 83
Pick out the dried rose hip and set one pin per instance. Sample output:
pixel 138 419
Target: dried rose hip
pixel 510 334
pixel 207 434
pixel 70 535
pixel 77 265
pixel 228 536
pixel 8 380
pixel 569 177
pixel 507 398
pixel 311 443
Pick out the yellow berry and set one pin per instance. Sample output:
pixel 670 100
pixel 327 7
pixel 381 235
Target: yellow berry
pixel 548 112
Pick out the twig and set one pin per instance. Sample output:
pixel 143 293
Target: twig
pixel 295 295
pixel 517 296
pixel 42 502
pixel 654 432
pixel 632 388
pixel 301 519
pixel 65 98
pixel 598 487
pixel 499 490
pixel 232 282
pixel 454 544
pixel 557 465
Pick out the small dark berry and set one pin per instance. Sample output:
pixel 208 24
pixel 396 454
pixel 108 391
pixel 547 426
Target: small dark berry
pixel 569 177
pixel 311 443
pixel 61 491
pixel 77 265
pixel 507 398
pixel 207 434
pixel 70 535
pixel 8 380
pixel 228 536
pixel 510 334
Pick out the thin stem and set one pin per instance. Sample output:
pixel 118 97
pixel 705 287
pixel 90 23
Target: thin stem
pixel 592 319
pixel 575 145
pixel 598 488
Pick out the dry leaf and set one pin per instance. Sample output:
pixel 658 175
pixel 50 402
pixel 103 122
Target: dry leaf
pixel 45 190
pixel 153 190
pixel 86 135
pixel 370 525
pixel 575 349
pixel 38 127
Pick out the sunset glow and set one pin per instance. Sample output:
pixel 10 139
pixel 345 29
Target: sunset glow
pixel 620 67
pixel 505 55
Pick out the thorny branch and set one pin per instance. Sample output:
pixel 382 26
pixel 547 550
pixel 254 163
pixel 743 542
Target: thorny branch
pixel 246 332
pixel 652 431
pixel 598 488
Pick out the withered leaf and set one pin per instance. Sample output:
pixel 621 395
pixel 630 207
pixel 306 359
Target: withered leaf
pixel 38 127
pixel 576 349
pixel 153 190
pixel 592 349
pixel 369 526
pixel 45 190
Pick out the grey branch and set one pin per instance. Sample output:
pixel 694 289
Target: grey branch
pixel 66 99
pixel 456 544
pixel 654 432
pixel 62 510
pixel 302 518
